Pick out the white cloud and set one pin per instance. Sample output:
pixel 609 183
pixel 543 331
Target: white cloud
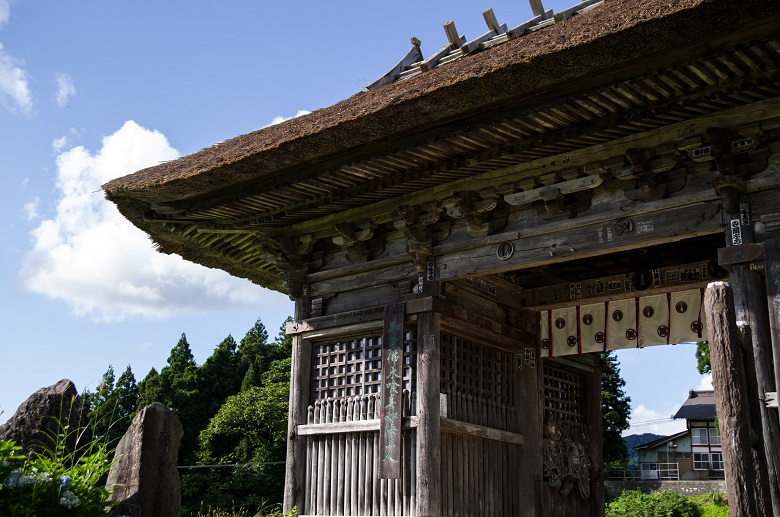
pixel 5 12
pixel 14 84
pixel 104 268
pixel 279 119
pixel 31 209
pixel 647 420
pixel 65 89
pixel 705 384
pixel 60 143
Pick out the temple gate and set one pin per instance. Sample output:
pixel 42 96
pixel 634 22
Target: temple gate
pixel 460 239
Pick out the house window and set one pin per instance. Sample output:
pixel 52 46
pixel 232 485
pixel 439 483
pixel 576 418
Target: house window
pixel 717 461
pixel 714 436
pixel 699 436
pixel 701 461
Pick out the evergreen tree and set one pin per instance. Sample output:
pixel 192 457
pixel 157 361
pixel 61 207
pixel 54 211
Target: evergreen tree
pixel 150 390
pixel 112 406
pixel 218 378
pixel 615 410
pixel 252 351
pixel 179 383
pixel 126 395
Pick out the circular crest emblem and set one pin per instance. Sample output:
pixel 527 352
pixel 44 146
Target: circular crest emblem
pixel 571 341
pixel 648 312
pixel 681 307
pixel 587 319
pixel 631 334
pixel 599 337
pixel 663 331
pixel 617 315
pixel 545 344
pixel 560 323
pixel 505 250
pixel 696 327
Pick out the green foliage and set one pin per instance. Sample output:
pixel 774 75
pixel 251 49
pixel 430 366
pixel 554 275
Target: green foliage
pixel 664 503
pixel 111 408
pixel 149 390
pixel 712 504
pixel 56 481
pixel 615 410
pixel 703 357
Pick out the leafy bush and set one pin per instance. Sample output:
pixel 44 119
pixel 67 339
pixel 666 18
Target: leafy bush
pixel 664 503
pixel 712 504
pixel 54 481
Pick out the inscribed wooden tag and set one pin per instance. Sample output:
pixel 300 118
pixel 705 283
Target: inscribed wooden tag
pixel 391 390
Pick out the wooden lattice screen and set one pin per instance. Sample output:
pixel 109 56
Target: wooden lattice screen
pixel 353 366
pixel 478 382
pixel 564 398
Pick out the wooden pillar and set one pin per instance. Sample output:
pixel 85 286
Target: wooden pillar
pixel 772 271
pixel 428 416
pixel 300 392
pixel 748 495
pixel 752 321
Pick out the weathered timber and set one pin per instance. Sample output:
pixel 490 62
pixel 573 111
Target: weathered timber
pixel 380 211
pixel 772 272
pixel 747 495
pixel 752 320
pixel 428 423
pixel 300 378
pixel 588 241
pixel 481 431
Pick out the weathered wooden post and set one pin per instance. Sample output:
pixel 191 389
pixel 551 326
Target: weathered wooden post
pixel 748 495
pixel 752 320
pixel 771 251
pixel 428 417
pixel 300 379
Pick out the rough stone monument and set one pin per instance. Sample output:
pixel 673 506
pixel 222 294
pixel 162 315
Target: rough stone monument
pixel 43 416
pixel 143 479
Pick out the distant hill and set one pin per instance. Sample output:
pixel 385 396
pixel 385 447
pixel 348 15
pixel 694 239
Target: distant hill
pixel 633 440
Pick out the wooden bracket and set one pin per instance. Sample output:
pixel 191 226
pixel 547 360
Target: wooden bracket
pixel 740 254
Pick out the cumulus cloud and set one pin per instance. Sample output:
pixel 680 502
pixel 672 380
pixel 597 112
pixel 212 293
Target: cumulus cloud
pixel 647 420
pixel 65 89
pixel 104 268
pixel 279 119
pixel 14 84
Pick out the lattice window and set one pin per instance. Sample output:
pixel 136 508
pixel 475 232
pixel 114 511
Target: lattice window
pixel 475 369
pixel 353 366
pixel 564 398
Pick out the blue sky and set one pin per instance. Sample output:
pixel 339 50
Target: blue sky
pixel 93 90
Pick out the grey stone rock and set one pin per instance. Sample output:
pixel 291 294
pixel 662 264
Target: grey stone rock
pixel 43 416
pixel 144 480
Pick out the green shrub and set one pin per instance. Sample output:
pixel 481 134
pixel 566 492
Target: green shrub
pixel 54 481
pixel 633 503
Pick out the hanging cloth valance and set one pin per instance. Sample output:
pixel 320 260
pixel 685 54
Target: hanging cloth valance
pixel 659 319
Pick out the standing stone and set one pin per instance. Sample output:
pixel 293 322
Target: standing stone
pixel 41 418
pixel 144 480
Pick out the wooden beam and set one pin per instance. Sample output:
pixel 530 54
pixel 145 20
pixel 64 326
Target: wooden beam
pixel 759 111
pixel 583 242
pixel 480 431
pixel 355 426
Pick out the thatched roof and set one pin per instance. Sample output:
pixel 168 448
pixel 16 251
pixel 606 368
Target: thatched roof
pixel 613 42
